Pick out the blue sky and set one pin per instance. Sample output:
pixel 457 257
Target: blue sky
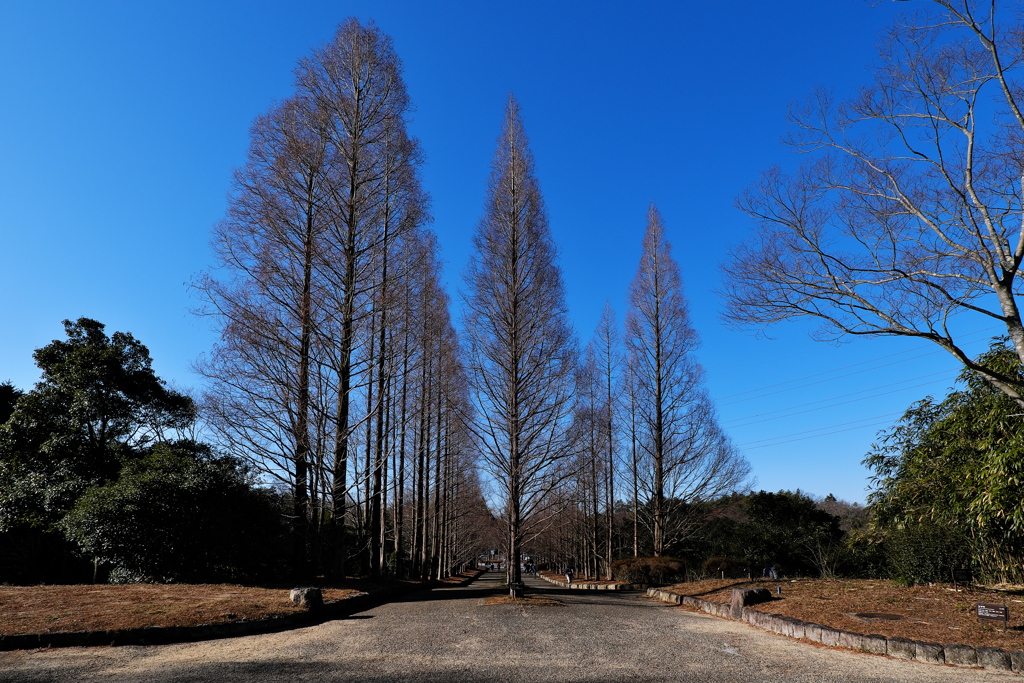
pixel 120 124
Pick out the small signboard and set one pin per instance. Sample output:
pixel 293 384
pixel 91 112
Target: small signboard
pixel 992 612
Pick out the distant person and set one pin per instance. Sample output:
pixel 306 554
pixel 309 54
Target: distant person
pixel 568 576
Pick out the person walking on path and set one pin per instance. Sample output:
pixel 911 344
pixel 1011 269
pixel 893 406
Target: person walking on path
pixel 568 576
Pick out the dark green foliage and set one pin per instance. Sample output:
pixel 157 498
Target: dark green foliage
pixel 920 554
pixel 179 514
pixel 729 567
pixel 957 466
pixel 788 530
pixel 9 395
pixel 96 472
pixel 98 403
pixel 649 570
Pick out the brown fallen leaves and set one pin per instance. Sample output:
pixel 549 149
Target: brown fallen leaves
pixel 52 609
pixel 936 614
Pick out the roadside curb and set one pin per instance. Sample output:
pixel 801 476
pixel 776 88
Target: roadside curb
pixel 954 654
pixel 594 586
pixel 163 635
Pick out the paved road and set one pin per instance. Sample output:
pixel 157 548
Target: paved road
pixel 448 635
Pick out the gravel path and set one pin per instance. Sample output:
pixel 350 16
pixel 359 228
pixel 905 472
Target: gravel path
pixel 448 635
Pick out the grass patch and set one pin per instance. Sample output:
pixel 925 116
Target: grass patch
pixel 507 600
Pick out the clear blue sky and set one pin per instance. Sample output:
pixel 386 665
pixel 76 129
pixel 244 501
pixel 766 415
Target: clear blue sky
pixel 120 124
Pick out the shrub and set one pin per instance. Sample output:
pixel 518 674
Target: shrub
pixel 919 554
pixel 649 570
pixel 178 516
pixel 733 568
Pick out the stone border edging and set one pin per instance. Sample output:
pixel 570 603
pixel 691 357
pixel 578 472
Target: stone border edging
pixel 164 635
pixel 955 654
pixel 593 586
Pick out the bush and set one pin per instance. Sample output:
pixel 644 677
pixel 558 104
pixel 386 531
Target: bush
pixel 733 568
pixel 179 516
pixel 649 570
pixel 921 554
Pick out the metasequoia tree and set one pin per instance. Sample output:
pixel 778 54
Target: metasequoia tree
pixel 521 352
pixel 594 425
pixel 608 361
pixel 688 458
pixel 261 401
pixel 356 81
pixel 906 218
pixel 307 296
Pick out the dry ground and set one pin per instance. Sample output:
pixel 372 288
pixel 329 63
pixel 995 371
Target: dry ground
pixel 506 600
pixel 937 613
pixel 579 579
pixel 55 609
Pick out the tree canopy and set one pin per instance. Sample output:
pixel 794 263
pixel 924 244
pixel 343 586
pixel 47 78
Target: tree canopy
pixel 904 218
pixel 96 464
pixel 957 465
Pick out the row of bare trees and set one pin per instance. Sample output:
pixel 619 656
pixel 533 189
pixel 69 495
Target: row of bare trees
pixel 651 445
pixel 337 372
pixel 548 423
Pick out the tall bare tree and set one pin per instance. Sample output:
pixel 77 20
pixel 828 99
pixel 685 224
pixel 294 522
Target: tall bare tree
pixel 304 289
pixel 521 351
pixel 267 248
pixel 608 361
pixel 356 80
pixel 689 456
pixel 907 217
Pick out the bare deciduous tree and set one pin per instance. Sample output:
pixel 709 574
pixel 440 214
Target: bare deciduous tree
pixel 907 218
pixel 318 262
pixel 521 352
pixel 689 457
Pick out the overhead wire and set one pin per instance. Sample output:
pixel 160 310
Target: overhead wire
pixel 750 447
pixel 746 420
pixel 839 369
pixel 829 402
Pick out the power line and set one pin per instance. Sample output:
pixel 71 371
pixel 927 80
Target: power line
pixel 839 369
pixel 834 405
pixel 799 437
pixel 833 398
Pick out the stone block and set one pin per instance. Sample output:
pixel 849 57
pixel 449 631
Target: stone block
pixel 744 597
pixel 812 632
pixel 309 597
pixel 901 648
pixel 932 653
pixel 799 628
pixel 874 644
pixel 994 658
pixel 853 641
pixel 1016 660
pixel 960 655
pixel 829 636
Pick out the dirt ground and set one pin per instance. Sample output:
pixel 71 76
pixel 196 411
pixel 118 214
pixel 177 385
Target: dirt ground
pixel 936 613
pixel 56 609
pixel 53 609
pixel 579 579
